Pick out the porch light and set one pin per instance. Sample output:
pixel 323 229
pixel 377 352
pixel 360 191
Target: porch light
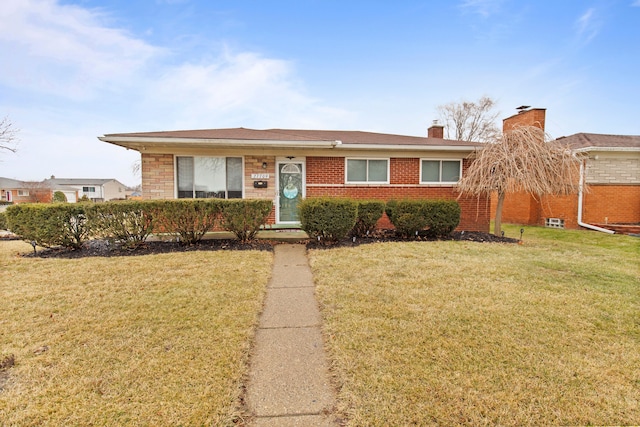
pixel 264 165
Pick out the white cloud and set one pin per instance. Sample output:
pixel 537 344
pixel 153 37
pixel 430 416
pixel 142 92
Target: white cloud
pixel 65 50
pixel 587 26
pixel 73 77
pixel 239 88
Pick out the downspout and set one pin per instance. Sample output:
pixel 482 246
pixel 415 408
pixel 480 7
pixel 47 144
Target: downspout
pixel 580 199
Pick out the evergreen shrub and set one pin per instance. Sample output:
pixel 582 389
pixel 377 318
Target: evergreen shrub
pixel 186 219
pixel 49 225
pixel 433 218
pixel 328 219
pixel 127 224
pixel 443 216
pixel 244 217
pixel 369 212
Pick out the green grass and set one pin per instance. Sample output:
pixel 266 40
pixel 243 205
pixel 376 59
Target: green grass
pixel 147 340
pixel 461 333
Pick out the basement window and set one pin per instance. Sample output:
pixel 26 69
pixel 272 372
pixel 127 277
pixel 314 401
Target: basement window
pixel 554 223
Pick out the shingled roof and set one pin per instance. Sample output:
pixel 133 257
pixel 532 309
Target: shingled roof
pixel 299 136
pixel 587 141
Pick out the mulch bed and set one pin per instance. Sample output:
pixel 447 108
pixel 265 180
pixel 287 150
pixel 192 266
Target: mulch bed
pixel 391 236
pixel 100 248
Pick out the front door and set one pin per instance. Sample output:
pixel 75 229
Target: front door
pixel 290 190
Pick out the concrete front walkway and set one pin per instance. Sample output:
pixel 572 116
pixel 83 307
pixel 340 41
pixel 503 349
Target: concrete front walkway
pixel 288 379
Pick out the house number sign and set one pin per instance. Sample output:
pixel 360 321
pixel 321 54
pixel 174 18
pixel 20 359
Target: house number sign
pixel 259 176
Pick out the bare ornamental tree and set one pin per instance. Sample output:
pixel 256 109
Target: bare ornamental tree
pixel 522 159
pixel 470 121
pixel 8 138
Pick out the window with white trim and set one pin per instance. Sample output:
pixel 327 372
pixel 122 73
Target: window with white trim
pixel 209 177
pixel 88 189
pixel 440 171
pixel 23 193
pixel 370 171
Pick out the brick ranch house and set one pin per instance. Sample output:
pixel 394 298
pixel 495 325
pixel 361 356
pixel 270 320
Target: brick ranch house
pixel 611 171
pixel 286 165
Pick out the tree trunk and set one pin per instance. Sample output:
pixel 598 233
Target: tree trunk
pixel 497 228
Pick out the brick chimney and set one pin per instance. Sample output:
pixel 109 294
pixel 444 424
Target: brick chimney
pixel 526 116
pixel 435 131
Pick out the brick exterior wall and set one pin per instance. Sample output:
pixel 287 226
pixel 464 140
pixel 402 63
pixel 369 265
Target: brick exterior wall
pixel 157 176
pixel 612 204
pixel 253 165
pixel 602 204
pixel 613 171
pixel 325 177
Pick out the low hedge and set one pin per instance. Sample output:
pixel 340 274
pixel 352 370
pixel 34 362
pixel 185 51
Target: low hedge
pixel 50 225
pixel 326 219
pixel 186 219
pixel 434 218
pixel 130 223
pixel 369 212
pixel 244 217
pixel 127 224
pixel 3 221
pixel 443 216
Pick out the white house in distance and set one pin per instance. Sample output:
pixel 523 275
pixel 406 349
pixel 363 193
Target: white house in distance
pixel 97 190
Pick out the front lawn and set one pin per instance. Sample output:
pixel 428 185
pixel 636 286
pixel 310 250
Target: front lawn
pixel 463 333
pixel 143 340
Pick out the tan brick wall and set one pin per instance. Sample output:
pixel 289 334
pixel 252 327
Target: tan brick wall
pixel 613 171
pixel 157 176
pixel 253 165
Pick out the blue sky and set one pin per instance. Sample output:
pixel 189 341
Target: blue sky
pixel 74 70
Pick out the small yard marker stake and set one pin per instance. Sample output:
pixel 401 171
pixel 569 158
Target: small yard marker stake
pixel 521 232
pixel 33 243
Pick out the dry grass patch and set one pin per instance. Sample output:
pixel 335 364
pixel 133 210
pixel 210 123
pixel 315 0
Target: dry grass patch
pixel 148 340
pixel 463 333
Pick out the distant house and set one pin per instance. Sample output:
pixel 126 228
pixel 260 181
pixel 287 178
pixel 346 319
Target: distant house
pixel 286 165
pixel 611 171
pixel 14 191
pixel 97 190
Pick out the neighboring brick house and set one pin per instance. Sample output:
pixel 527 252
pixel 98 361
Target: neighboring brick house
pixel 286 165
pixel 611 171
pixel 14 191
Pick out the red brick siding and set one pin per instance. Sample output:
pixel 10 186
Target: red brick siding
pixel 612 204
pixel 404 171
pixel 533 117
pixel 325 170
pixel 602 204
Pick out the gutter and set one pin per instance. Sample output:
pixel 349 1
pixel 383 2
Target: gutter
pixel 580 202
pixel 132 140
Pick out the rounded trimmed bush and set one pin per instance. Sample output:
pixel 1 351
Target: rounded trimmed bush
pixel 328 219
